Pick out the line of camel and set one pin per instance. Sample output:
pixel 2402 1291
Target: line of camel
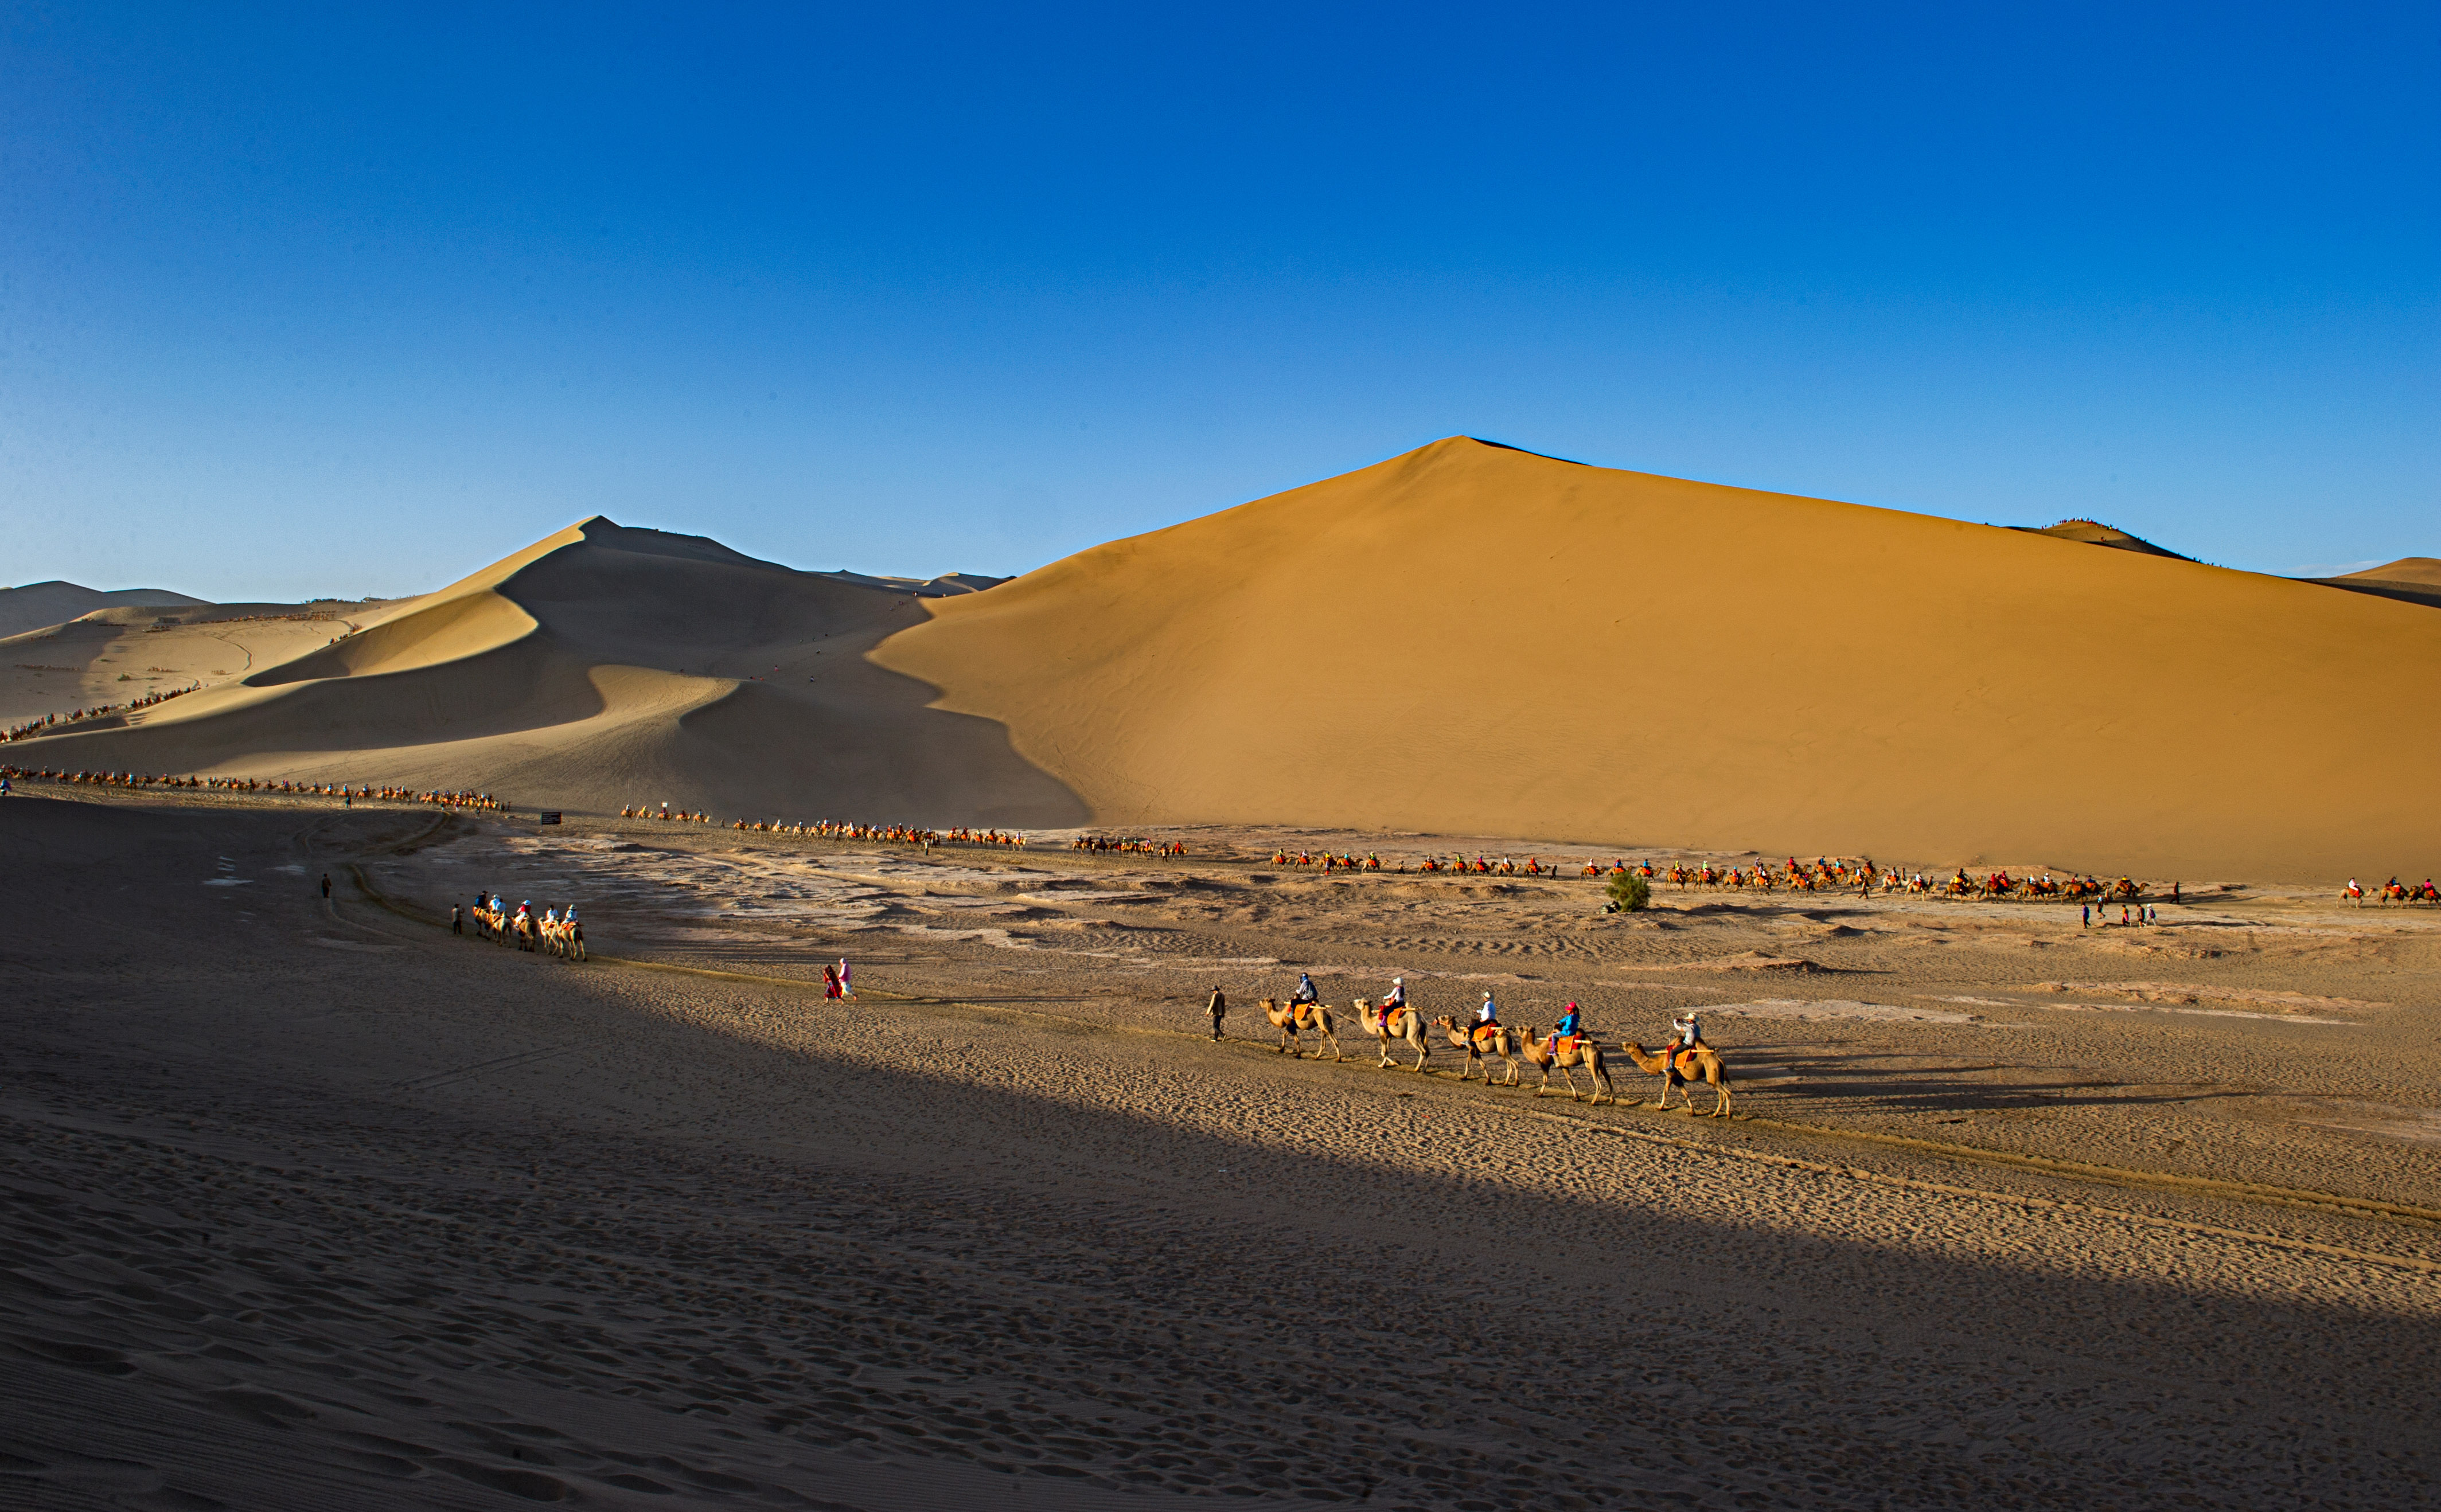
pixel 1405 1029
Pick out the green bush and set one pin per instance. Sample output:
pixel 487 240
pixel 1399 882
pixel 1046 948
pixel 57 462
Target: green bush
pixel 1630 892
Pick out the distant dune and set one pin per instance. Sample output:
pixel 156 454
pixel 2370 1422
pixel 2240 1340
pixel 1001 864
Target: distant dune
pixel 1472 638
pixel 37 604
pixel 2093 533
pixel 601 666
pixel 2410 580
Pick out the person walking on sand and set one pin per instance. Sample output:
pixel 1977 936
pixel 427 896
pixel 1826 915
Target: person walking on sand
pixel 457 920
pixel 326 884
pixel 830 983
pixel 1218 1009
pixel 847 982
pixel 2085 917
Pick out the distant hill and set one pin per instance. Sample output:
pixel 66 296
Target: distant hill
pixel 37 604
pixel 2409 580
pixel 2093 533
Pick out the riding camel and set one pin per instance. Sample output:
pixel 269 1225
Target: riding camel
pixel 1574 1049
pixel 1294 1018
pixel 1481 1042
pixel 1395 1024
pixel 1699 1060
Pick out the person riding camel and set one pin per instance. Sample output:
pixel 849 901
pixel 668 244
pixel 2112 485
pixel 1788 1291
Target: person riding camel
pixel 1305 990
pixel 1686 1034
pixel 1571 1024
pixel 1394 1001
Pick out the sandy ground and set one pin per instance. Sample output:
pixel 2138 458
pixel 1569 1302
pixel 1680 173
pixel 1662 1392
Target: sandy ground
pixel 313 1204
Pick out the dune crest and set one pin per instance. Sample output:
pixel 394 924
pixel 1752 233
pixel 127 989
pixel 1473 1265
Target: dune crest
pixel 605 665
pixel 1472 638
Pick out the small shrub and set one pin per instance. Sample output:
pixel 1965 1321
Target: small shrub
pixel 1628 893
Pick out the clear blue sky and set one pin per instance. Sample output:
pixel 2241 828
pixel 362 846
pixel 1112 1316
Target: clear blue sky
pixel 314 299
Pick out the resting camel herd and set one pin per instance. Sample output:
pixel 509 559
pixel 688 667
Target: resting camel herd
pixel 1402 1030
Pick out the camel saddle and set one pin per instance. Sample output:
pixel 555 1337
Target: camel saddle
pixel 1488 1036
pixel 1567 1043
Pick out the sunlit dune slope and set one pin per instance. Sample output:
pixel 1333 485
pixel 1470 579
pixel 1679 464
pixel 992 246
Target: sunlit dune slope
pixel 601 666
pixel 1475 639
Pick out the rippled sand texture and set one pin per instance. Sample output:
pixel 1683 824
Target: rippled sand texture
pixel 315 1205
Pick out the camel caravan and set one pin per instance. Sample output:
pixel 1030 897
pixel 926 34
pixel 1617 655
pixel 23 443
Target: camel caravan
pixel 550 934
pixel 250 786
pixel 2392 892
pixel 1399 1031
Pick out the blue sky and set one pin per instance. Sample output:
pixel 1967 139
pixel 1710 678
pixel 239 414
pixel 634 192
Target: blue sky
pixel 326 299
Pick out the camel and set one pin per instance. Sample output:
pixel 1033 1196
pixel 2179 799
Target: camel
pixel 1482 1042
pixel 1294 1018
pixel 1702 1059
pixel 1574 1050
pixel 564 940
pixel 1403 1024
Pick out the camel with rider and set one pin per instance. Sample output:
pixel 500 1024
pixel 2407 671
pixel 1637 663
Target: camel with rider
pixel 1294 1018
pixel 1400 1025
pixel 1568 1051
pixel 1481 1042
pixel 1678 1066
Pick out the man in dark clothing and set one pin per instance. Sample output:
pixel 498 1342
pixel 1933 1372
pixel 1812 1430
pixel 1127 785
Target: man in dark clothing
pixel 326 884
pixel 1218 1009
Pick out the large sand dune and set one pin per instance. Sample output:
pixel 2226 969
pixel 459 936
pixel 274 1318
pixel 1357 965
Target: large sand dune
pixel 1465 639
pixel 1469 638
pixel 600 666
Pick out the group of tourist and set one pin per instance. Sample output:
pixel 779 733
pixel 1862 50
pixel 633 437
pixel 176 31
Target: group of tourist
pixel 345 792
pixel 1128 847
pixel 674 815
pixel 882 833
pixel 50 723
pixel 2394 890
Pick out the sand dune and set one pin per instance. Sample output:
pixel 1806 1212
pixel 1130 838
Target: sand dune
pixel 599 666
pixel 1465 639
pixel 37 604
pixel 2410 579
pixel 1472 638
pixel 2093 533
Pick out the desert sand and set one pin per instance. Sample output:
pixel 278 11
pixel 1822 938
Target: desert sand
pixel 315 1203
pixel 1467 638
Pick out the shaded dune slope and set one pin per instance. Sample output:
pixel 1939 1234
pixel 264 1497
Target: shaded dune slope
pixel 607 665
pixel 1470 639
pixel 2409 580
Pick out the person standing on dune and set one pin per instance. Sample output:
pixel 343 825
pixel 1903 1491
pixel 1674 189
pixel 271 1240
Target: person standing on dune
pixel 1218 1009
